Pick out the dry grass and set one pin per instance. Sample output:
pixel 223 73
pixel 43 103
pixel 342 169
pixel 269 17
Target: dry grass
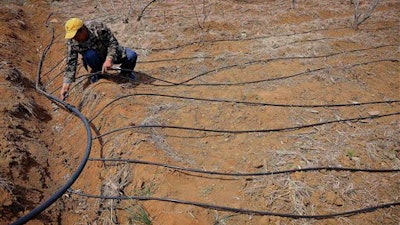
pixel 6 185
pixel 113 185
pixel 168 25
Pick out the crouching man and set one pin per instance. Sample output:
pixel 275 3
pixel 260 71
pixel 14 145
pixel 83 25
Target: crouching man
pixel 99 49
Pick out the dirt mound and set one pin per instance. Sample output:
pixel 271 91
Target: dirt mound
pixel 231 86
pixel 24 169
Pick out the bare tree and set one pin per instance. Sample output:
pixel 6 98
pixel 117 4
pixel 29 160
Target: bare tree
pixel 361 17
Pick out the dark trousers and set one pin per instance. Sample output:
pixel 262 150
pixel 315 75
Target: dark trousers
pixel 95 62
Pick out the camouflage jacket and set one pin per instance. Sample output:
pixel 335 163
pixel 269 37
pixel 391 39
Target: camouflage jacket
pixel 100 39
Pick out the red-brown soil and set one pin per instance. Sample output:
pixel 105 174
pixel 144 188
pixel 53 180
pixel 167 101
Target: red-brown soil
pixel 245 51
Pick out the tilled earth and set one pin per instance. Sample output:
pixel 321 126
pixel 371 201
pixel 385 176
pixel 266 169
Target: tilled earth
pixel 226 86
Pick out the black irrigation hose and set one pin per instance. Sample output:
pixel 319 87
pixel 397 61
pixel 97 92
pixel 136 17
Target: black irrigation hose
pixel 176 59
pixel 151 77
pixel 239 210
pixel 308 71
pixel 170 83
pixel 245 102
pixel 55 196
pixel 54 67
pixel 247 131
pixel 144 9
pixel 288 58
pixel 184 83
pixel 236 174
pixel 233 39
pixel 81 77
pixel 69 183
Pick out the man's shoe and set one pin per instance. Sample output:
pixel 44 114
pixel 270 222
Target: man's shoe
pixel 132 76
pixel 94 78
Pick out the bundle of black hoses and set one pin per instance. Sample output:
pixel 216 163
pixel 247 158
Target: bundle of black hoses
pixel 66 187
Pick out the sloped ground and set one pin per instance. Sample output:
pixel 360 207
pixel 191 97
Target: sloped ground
pixel 26 176
pixel 287 56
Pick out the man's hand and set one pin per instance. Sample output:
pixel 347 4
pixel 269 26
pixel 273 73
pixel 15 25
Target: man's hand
pixel 107 65
pixel 64 91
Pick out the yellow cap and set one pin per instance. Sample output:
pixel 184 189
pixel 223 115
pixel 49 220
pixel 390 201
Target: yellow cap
pixel 72 26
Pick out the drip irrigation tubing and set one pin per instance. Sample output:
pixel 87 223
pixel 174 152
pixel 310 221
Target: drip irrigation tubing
pixel 55 196
pixel 236 174
pixel 241 39
pixel 144 9
pixel 176 59
pixel 233 39
pixel 308 71
pixel 246 131
pixel 286 58
pixel 185 83
pixel 240 210
pixel 245 102
pixel 66 187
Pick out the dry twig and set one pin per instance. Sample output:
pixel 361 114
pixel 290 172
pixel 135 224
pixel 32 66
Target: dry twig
pixel 359 18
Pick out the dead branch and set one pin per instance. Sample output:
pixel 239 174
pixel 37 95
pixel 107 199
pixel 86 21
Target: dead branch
pixel 144 9
pixel 359 18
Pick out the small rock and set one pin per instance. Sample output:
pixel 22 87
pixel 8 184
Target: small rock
pixel 313 111
pixel 374 113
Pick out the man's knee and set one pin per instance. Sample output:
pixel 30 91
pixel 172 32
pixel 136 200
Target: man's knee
pixel 91 55
pixel 93 59
pixel 131 55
